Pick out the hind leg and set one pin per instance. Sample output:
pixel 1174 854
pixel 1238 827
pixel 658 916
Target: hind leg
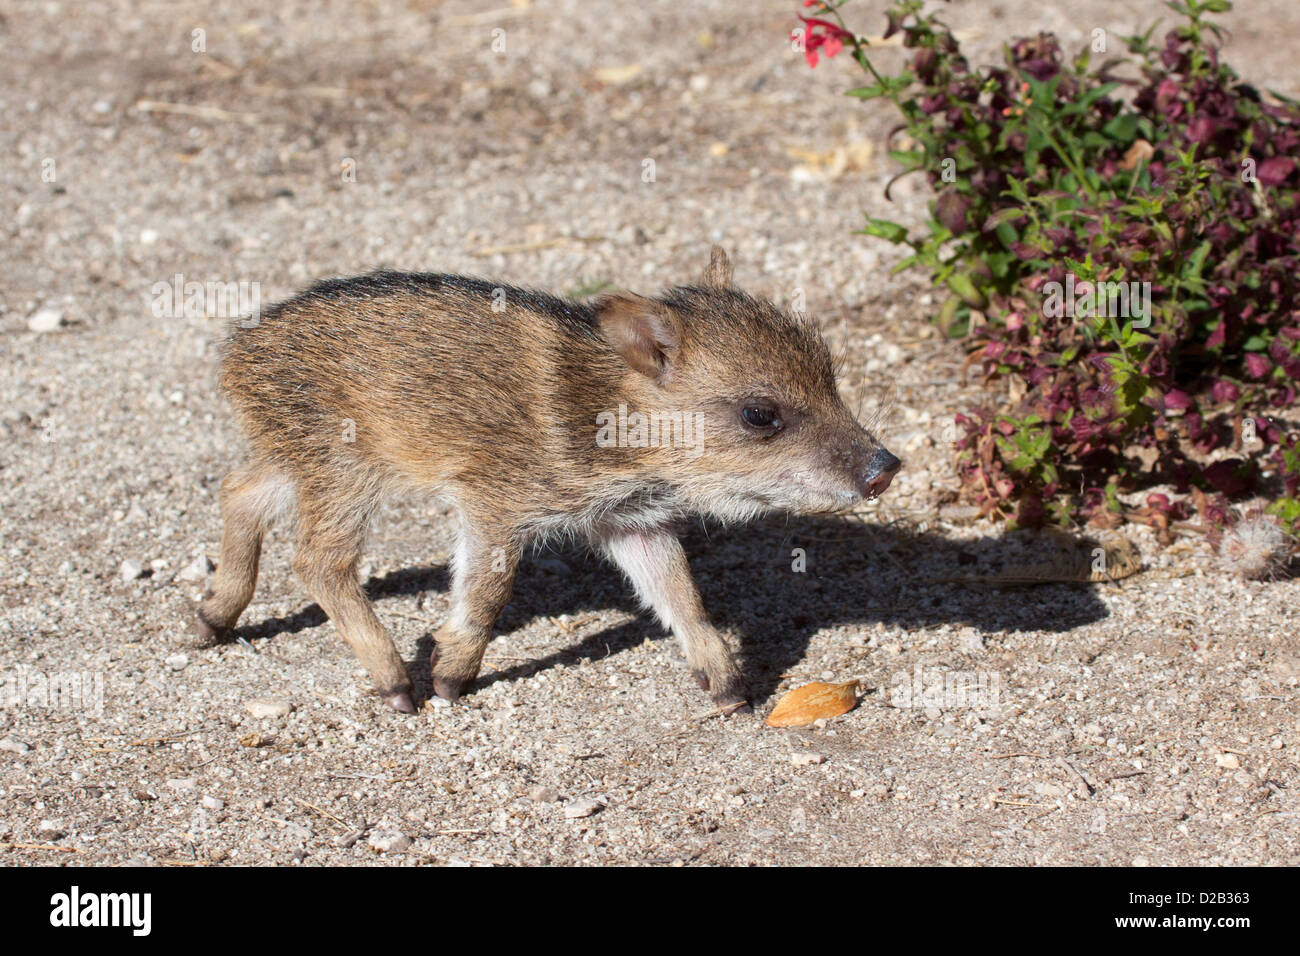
pixel 250 498
pixel 330 538
pixel 483 574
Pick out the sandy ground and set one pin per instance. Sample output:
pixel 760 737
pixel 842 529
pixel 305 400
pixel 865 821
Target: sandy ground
pixel 1154 721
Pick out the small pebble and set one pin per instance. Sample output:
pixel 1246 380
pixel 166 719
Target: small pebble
pixel 389 841
pixel 14 746
pixel 268 707
pixel 212 803
pixel 46 320
pixel 177 662
pixel 197 570
pixel 804 760
pixel 131 569
pixel 543 795
pixel 181 784
pixel 581 808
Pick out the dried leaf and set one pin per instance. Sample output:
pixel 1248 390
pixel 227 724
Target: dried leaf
pixel 1066 558
pixel 814 701
pixel 1139 152
pixel 250 740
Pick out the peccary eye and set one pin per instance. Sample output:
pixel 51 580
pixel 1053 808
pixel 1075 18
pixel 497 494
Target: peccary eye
pixel 760 416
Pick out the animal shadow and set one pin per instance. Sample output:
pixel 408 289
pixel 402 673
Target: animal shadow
pixel 773 584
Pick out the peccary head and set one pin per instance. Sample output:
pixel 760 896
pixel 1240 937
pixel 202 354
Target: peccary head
pixel 752 390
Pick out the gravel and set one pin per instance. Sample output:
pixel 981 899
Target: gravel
pixel 1172 695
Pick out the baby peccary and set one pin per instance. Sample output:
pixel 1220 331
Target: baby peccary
pixel 535 417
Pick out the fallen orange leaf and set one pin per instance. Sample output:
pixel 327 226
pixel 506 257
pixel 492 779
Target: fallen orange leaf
pixel 814 701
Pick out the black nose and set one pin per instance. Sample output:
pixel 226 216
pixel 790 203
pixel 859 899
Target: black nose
pixel 879 471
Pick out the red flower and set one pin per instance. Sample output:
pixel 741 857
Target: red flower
pixel 821 35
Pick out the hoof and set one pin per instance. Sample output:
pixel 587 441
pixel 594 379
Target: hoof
pixel 447 689
pixel 728 700
pixel 206 634
pixel 400 701
pixel 733 707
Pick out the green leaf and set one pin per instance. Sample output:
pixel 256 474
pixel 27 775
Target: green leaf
pixel 1123 128
pixel 1192 268
pixel 884 229
pixel 1093 95
pixel 871 92
pixel 947 314
pixel 1000 263
pixel 1010 214
pixel 1016 187
pixel 1007 234
pixel 965 288
pixel 911 158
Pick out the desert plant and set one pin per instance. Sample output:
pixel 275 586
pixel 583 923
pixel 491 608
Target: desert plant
pixel 1119 243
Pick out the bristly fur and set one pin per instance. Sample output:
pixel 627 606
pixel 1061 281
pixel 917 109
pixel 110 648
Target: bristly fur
pixel 493 397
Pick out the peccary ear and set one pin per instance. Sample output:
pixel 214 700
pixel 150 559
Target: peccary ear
pixel 718 274
pixel 644 332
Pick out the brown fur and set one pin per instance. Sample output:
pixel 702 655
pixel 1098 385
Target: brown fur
pixel 360 386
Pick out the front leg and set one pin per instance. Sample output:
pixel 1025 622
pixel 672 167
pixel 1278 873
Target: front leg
pixel 656 565
pixel 482 575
